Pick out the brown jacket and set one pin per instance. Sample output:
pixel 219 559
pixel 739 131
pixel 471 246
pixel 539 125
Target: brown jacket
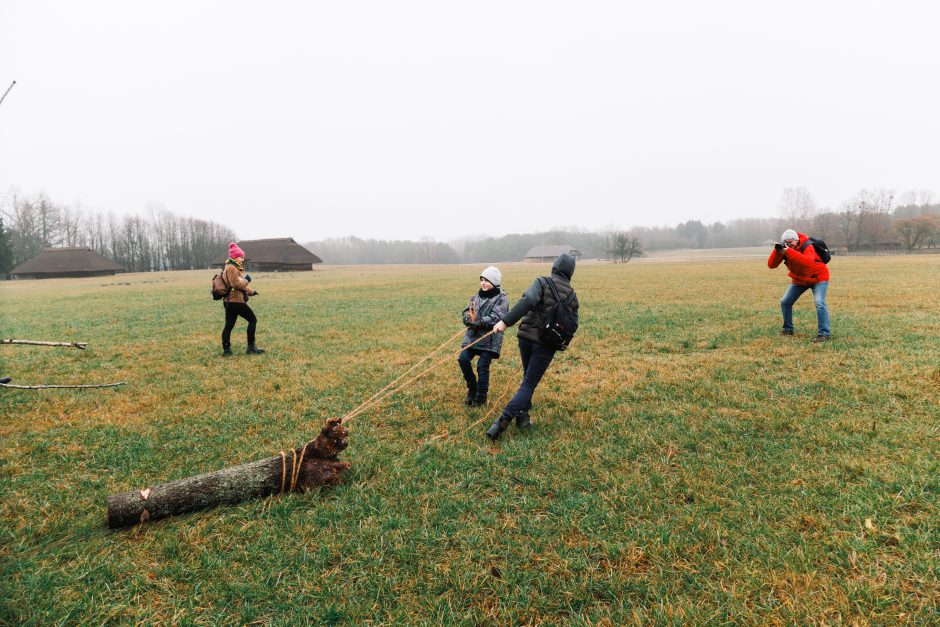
pixel 235 279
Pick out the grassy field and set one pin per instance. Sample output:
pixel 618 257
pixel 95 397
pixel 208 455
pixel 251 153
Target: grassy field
pixel 688 465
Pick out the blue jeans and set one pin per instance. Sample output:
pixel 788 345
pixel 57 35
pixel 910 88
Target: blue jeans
pixel 535 361
pixel 481 383
pixel 819 298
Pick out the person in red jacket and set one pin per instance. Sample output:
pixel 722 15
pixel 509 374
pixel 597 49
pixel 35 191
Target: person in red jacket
pixel 808 272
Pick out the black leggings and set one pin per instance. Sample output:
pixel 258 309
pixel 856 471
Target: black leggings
pixel 232 311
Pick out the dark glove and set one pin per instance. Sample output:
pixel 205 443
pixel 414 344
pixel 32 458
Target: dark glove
pixel 467 322
pixel 778 247
pixel 255 293
pixel 248 278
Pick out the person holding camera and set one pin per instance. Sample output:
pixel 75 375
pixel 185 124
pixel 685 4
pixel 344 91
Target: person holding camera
pixel 236 302
pixel 807 272
pixel 533 307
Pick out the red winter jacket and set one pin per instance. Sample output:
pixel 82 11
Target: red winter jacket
pixel 805 267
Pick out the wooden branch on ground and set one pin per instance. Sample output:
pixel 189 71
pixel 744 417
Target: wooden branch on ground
pixel 78 345
pixel 315 464
pixel 5 384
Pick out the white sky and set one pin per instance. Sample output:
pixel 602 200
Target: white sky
pixel 443 119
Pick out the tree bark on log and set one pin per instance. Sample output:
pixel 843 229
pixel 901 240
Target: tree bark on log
pixel 315 464
pixel 78 345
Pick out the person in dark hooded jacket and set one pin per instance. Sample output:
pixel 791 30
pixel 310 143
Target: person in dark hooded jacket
pixel 534 305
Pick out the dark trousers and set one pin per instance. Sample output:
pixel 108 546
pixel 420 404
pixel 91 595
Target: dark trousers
pixel 480 383
pixel 535 361
pixel 232 312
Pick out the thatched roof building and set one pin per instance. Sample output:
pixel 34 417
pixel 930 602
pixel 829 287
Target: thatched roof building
pixel 53 263
pixel 280 254
pixel 550 252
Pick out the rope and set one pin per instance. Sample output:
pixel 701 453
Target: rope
pixel 374 401
pixel 366 402
pixel 59 387
pixel 376 398
pixel 294 469
pixel 496 404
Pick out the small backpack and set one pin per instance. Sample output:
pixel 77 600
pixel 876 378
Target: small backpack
pixel 822 250
pixel 558 327
pixel 220 288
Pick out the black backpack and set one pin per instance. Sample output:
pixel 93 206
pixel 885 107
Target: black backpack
pixel 558 327
pixel 822 250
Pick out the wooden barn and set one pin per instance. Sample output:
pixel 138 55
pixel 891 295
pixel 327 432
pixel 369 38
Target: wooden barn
pixel 56 263
pixel 280 254
pixel 550 252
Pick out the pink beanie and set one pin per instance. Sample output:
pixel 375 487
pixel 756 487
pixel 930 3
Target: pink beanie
pixel 234 251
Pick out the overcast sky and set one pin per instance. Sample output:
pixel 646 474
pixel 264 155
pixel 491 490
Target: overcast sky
pixel 443 119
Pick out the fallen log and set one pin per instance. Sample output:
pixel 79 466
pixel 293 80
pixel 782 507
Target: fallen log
pixel 315 464
pixel 78 345
pixel 5 383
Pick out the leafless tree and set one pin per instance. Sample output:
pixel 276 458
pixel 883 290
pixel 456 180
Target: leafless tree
pixel 624 246
pixel 916 232
pixel 917 198
pixel 797 207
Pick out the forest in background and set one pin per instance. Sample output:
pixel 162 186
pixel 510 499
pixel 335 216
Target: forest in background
pixel 870 221
pixel 157 240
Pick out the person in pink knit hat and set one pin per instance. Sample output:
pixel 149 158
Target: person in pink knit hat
pixel 236 302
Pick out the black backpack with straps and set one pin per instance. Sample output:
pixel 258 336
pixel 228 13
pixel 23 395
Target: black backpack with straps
pixel 822 250
pixel 558 326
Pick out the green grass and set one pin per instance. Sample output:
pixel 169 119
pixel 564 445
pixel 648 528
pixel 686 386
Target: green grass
pixel 688 465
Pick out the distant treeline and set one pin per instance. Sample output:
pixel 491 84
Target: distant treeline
pixel 871 220
pixel 160 240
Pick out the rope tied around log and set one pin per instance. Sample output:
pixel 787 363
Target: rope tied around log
pixel 295 468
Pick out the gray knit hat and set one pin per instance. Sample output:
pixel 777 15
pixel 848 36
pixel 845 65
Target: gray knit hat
pixel 493 275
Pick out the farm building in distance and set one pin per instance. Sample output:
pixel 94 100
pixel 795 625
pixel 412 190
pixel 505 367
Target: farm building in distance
pixel 57 263
pixel 550 252
pixel 280 254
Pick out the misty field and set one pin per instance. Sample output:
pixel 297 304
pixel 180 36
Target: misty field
pixel 688 465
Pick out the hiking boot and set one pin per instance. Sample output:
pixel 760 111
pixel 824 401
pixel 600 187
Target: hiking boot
pixel 471 396
pixel 226 351
pixel 479 401
pixel 787 332
pixel 253 350
pixel 820 339
pixel 523 422
pixel 497 428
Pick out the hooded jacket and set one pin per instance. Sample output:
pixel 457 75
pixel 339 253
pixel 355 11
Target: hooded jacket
pixel 805 268
pixel 538 299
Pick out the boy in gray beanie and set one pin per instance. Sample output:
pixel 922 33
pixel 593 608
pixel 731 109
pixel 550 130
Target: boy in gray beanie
pixel 486 308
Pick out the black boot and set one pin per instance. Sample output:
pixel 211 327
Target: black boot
pixel 479 400
pixel 498 427
pixel 226 351
pixel 254 350
pixel 471 395
pixel 522 421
